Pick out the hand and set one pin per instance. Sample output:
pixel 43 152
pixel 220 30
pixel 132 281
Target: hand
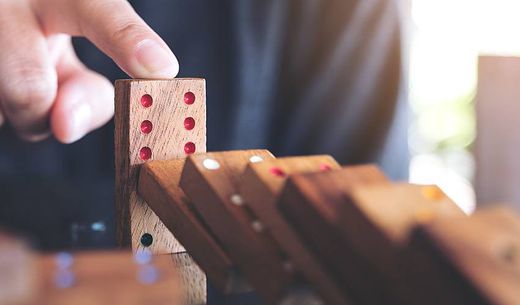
pixel 44 88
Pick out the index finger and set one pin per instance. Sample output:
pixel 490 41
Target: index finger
pixel 116 29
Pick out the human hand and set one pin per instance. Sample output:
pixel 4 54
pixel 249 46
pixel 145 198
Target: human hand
pixel 44 87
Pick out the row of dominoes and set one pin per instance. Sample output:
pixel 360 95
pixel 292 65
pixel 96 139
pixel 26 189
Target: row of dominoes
pixel 348 233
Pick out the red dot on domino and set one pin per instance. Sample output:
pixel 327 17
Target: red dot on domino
pixel 189 148
pixel 325 167
pixel 189 98
pixel 189 123
pixel 146 127
pixel 145 153
pixel 276 171
pixel 146 100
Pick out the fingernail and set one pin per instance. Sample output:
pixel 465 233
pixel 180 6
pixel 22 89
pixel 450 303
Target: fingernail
pixel 79 121
pixel 156 60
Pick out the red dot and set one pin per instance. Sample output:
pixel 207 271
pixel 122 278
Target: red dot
pixel 189 148
pixel 325 167
pixel 189 123
pixel 146 100
pixel 145 153
pixel 278 172
pixel 189 97
pixel 146 126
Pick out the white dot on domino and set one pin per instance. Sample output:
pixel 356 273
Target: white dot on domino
pixel 64 278
pixel 143 257
pixel 256 159
pixel 148 274
pixel 236 199
pixel 211 164
pixel 257 226
pixel 64 260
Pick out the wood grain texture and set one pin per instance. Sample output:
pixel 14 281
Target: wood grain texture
pixel 159 186
pixel 193 279
pixel 107 278
pixel 470 260
pixel 211 181
pixel 309 203
pixel 387 214
pixel 260 188
pixel 166 141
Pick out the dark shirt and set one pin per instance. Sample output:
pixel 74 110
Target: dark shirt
pixel 295 77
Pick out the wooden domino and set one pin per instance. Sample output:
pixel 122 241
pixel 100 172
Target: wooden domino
pixel 260 188
pixel 110 278
pixel 309 203
pixel 192 278
pixel 154 120
pixel 469 260
pixel 211 181
pixel 386 215
pixel 18 279
pixel 372 223
pixel 159 186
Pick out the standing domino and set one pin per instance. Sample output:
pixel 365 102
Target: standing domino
pixel 155 120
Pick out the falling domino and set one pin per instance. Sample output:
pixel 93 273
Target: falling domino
pixel 260 188
pixel 468 260
pixel 159 186
pixel 211 181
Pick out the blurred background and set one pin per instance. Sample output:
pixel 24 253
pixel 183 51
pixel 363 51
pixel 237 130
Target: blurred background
pixel 447 38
